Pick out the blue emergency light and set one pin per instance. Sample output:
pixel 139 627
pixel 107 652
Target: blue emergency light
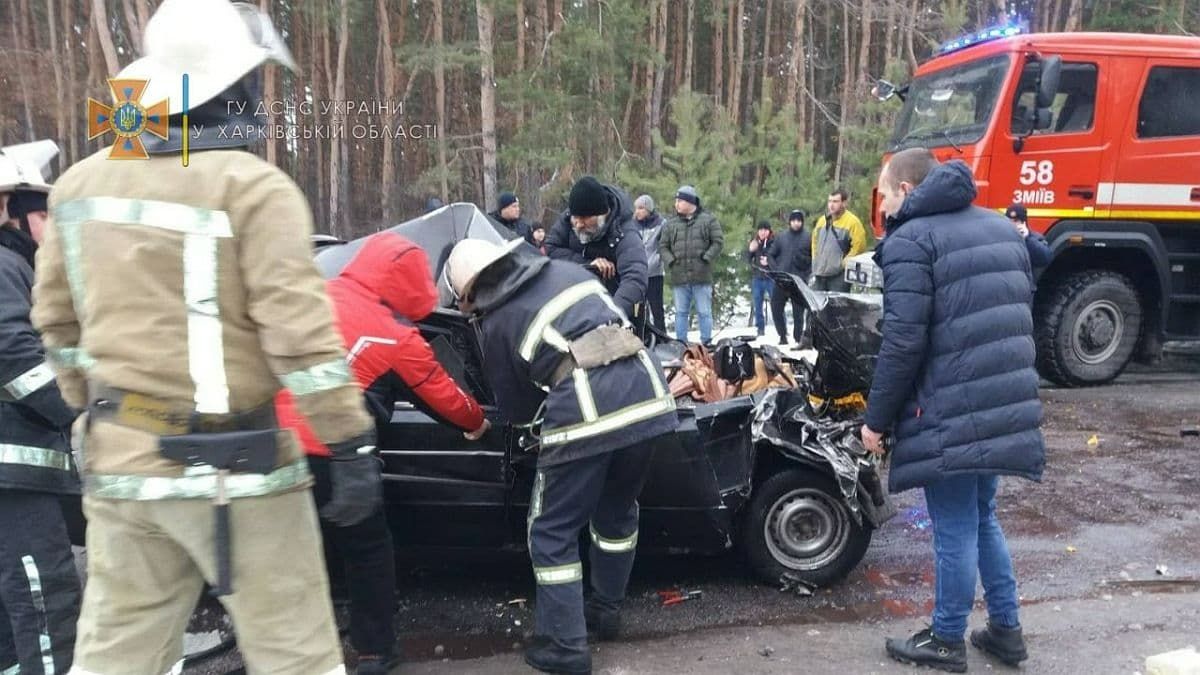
pixel 986 35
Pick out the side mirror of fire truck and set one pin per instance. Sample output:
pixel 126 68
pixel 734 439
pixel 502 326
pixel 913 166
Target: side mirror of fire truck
pixel 1041 116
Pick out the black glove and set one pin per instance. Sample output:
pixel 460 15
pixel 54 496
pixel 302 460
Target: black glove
pixel 356 474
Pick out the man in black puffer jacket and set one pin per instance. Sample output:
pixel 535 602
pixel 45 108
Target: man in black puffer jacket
pixel 956 386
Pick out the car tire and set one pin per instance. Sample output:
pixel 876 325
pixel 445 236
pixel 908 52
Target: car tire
pixel 799 528
pixel 1087 328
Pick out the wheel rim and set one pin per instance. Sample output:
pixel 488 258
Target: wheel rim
pixel 806 529
pixel 1097 333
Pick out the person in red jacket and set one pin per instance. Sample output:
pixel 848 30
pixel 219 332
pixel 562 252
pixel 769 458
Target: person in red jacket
pixel 391 361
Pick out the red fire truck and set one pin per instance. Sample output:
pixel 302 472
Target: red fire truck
pixel 1098 135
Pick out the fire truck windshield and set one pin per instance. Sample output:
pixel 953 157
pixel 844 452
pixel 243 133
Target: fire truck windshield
pixel 952 106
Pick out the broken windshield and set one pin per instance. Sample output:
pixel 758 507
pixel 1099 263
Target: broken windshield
pixel 952 106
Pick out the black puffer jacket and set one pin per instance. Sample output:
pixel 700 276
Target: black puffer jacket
pixel 35 451
pixel 619 243
pixel 955 378
pixel 528 306
pixel 793 252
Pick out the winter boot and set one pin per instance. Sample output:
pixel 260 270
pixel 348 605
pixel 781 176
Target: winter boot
pixel 1006 644
pixel 926 649
pixel 544 655
pixel 603 620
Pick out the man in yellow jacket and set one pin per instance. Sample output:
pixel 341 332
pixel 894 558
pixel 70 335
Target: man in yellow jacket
pixel 838 235
pixel 174 302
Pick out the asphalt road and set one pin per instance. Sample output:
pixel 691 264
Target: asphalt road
pixel 1117 517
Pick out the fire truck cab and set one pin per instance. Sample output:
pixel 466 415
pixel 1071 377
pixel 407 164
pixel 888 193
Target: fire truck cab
pixel 1098 135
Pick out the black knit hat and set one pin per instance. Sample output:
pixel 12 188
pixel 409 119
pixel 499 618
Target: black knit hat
pixel 764 225
pixel 796 215
pixel 505 200
pixel 24 202
pixel 588 198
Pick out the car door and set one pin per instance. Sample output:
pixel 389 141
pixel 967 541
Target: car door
pixel 1056 174
pixel 441 489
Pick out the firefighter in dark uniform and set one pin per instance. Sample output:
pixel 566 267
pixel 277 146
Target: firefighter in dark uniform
pixel 598 232
pixel 39 588
pixel 557 348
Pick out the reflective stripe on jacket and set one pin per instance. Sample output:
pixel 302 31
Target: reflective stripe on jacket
pixel 194 286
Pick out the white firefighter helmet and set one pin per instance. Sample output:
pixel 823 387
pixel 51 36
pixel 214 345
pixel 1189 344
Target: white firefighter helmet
pixel 214 42
pixel 26 165
pixel 468 259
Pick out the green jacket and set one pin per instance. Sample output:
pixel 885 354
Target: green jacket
pixel 689 247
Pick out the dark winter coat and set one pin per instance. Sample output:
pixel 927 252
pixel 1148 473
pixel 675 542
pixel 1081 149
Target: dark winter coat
pixel 955 380
pixel 1040 254
pixel 520 227
pixel 765 248
pixel 535 305
pixel 35 450
pixel 793 252
pixel 619 243
pixel 690 246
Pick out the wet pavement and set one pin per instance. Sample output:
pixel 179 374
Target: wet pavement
pixel 1117 516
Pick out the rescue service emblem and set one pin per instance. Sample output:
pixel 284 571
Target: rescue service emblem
pixel 127 118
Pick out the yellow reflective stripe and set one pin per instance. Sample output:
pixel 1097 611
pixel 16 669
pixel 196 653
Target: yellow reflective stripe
pixel 654 373
pixel 170 216
pixel 611 422
pixel 30 381
pixel 39 606
pixel 200 484
pixel 583 391
pixel 70 357
pixel 551 311
pixel 614 545
pixel 321 377
pixel 29 455
pixel 206 348
pixel 561 574
pixel 555 339
pixel 1092 213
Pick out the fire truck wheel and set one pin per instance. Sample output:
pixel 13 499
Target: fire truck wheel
pixel 1087 327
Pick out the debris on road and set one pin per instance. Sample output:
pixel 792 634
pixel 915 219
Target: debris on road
pixel 1094 441
pixel 767 651
pixel 798 586
pixel 674 597
pixel 1190 431
pixel 520 602
pixel 1161 570
pixel 1071 549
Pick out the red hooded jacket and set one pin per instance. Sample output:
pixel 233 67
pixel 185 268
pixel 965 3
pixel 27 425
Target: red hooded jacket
pixel 390 360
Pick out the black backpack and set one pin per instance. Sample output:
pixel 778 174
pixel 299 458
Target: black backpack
pixel 734 360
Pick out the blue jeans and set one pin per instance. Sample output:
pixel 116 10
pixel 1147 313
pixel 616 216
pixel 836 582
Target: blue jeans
pixel 968 544
pixel 760 288
pixel 685 296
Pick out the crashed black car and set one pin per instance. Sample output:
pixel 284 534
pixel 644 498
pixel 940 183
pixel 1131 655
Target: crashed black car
pixel 787 484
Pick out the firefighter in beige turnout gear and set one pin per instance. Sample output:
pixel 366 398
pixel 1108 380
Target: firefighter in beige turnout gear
pixel 174 303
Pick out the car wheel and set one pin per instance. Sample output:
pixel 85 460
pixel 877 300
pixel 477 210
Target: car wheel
pixel 798 527
pixel 1087 328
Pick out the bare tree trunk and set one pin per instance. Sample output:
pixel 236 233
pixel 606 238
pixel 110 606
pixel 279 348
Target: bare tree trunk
pixel 558 17
pixel 1055 15
pixel 648 83
pixel 487 99
pixel 319 29
pixel 1001 8
pixel 439 77
pixel 718 54
pixel 864 47
pixel 847 81
pixel 143 13
pixel 660 76
pixel 678 57
pixel 70 45
pixel 135 28
pixel 20 68
pixel 889 36
pixel 735 73
pixel 60 96
pixel 269 96
pixel 104 33
pixel 796 68
pixel 388 58
pixel 1074 16
pixel 691 45
pixel 765 88
pixel 520 68
pixel 910 29
pixel 336 215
